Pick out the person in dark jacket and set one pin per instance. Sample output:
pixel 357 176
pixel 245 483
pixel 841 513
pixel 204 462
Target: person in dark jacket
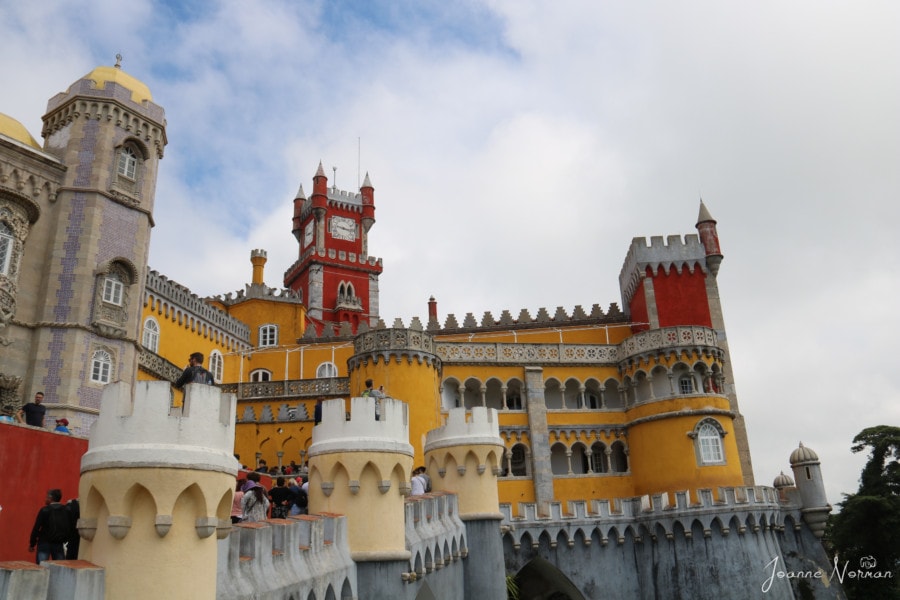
pixel 194 372
pixel 52 529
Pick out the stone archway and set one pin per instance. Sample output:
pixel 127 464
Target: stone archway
pixel 541 580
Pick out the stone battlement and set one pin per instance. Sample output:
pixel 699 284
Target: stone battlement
pixel 361 432
pixel 178 296
pixel 740 508
pixel 144 429
pixel 299 557
pixel 435 534
pixel 675 252
pixel 482 428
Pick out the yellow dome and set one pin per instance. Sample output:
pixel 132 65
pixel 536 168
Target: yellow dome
pixel 15 130
pixel 100 75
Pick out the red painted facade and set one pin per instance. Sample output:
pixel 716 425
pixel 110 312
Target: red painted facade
pixel 681 297
pixel 34 461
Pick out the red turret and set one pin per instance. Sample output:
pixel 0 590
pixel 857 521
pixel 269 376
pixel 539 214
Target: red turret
pixel 709 237
pixel 368 204
pixel 320 191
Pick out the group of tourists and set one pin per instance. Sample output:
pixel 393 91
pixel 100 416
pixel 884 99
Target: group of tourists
pixel 252 502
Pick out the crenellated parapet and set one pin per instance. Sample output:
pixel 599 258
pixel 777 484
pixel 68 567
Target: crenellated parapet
pixel 674 252
pixel 306 556
pixel 648 518
pixel 435 535
pixel 143 429
pixel 177 303
pixel 524 320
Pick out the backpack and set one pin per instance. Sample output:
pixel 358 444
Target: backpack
pixel 59 524
pixel 301 499
pixel 427 482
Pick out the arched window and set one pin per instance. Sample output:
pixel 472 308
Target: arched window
pixel 7 243
pixel 127 164
pixel 686 384
pixel 517 461
pixel 710 442
pixel 150 339
pixel 618 458
pixel 599 462
pixel 559 459
pixel 326 370
pixel 216 365
pixel 268 336
pixel 260 375
pixel 707 436
pixel 113 289
pixel 101 366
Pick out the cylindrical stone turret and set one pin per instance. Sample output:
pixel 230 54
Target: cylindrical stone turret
pixel 156 489
pixel 463 457
pixel 808 478
pixel 361 468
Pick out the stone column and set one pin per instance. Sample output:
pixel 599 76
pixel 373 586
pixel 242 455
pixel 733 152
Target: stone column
pixel 542 474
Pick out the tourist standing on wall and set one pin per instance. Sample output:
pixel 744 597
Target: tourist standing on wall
pixel 33 412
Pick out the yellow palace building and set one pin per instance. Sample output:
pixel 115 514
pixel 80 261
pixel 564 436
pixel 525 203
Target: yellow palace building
pixel 637 399
pixel 634 399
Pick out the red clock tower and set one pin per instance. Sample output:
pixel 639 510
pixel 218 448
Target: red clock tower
pixel 335 275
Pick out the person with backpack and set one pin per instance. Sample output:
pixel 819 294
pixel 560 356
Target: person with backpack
pixel 194 373
pixel 52 529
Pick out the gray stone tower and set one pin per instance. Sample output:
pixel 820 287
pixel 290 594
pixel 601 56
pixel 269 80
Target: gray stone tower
pixel 82 255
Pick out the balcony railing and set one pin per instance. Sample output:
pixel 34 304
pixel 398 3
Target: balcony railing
pixel 293 388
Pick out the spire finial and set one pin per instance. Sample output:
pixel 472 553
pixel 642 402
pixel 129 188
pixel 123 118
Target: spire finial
pixel 118 64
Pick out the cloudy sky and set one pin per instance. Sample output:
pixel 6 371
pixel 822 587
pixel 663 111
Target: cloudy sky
pixel 517 147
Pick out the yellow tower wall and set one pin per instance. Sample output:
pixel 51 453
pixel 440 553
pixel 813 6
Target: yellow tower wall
pixel 463 457
pixel 662 456
pixel 401 361
pixel 361 468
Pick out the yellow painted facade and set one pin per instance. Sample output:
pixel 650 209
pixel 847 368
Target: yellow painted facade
pixel 619 409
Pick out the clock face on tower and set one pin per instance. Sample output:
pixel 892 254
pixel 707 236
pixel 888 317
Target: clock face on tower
pixel 308 234
pixel 343 228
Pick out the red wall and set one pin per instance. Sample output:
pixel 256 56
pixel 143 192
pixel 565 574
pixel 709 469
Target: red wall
pixel 681 298
pixel 638 308
pixel 34 461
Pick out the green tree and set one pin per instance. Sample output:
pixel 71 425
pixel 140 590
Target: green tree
pixel 868 526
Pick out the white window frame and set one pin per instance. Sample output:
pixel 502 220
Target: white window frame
pixel 127 164
pixel 7 246
pixel 113 289
pixel 326 370
pixel 686 385
pixel 101 366
pixel 268 335
pixel 708 435
pixel 150 337
pixel 260 375
pixel 216 365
